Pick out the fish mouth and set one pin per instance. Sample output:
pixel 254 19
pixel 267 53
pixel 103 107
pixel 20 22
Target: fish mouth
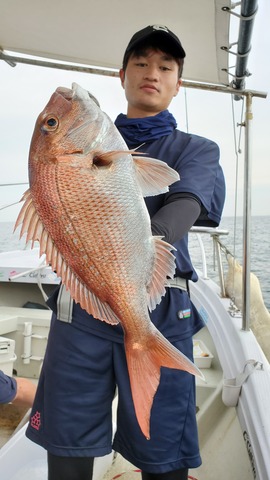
pixel 76 92
pixel 79 94
pixel 67 93
pixel 83 94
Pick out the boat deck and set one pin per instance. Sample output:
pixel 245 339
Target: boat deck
pixel 223 450
pixel 10 417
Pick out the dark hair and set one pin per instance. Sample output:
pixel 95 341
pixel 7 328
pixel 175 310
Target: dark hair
pixel 155 43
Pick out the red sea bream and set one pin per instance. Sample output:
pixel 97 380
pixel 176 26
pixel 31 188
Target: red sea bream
pixel 85 206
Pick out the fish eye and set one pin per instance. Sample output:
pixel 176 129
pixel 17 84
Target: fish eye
pixel 51 123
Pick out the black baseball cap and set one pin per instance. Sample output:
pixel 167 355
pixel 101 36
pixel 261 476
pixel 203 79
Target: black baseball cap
pixel 159 31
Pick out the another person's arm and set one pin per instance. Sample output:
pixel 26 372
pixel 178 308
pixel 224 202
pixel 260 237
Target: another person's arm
pixel 19 391
pixel 26 391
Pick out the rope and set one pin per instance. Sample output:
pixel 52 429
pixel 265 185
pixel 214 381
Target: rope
pixel 2 207
pixel 12 184
pixel 237 149
pixel 119 475
pixel 186 110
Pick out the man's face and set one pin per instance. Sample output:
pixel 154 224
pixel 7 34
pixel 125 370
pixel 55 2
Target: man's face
pixel 150 82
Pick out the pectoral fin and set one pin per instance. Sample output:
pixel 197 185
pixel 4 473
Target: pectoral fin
pixel 154 176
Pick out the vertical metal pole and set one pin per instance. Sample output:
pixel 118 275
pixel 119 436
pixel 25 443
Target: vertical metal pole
pixel 247 218
pixel 220 267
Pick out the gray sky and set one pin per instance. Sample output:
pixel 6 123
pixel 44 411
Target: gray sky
pixel 25 90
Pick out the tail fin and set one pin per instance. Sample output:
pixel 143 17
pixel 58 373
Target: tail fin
pixel 144 372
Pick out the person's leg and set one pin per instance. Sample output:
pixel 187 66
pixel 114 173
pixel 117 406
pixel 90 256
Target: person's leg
pixel 181 474
pixel 174 442
pixel 77 379
pixel 69 468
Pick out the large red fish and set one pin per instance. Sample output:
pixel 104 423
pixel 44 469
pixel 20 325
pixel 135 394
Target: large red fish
pixel 85 206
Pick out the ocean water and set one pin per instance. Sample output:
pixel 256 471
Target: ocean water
pixel 260 247
pixel 259 251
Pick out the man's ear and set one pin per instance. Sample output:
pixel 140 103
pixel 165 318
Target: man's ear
pixel 122 76
pixel 178 85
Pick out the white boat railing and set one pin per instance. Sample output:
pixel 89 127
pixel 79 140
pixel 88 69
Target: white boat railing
pixel 215 233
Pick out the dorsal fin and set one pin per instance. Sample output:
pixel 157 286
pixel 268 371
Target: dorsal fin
pixel 164 267
pixel 154 176
pixel 32 225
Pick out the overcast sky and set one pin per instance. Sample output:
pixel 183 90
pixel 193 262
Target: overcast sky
pixel 25 90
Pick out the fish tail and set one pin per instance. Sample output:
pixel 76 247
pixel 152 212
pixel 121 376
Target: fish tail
pixel 144 372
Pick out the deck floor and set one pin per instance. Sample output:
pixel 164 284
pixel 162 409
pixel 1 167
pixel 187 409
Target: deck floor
pixel 10 417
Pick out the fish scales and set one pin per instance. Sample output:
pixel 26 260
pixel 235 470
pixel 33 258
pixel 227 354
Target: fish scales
pixel 85 206
pixel 106 239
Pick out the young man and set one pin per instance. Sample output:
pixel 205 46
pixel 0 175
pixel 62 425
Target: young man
pixel 85 359
pixel 19 391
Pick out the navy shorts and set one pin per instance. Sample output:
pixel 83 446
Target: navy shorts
pixel 72 414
